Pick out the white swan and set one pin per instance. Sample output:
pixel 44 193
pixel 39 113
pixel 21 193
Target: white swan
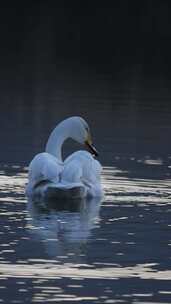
pixel 77 176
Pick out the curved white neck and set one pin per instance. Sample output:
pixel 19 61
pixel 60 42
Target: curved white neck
pixel 56 140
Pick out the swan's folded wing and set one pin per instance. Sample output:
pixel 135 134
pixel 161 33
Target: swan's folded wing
pixel 82 167
pixel 44 167
pixel 72 172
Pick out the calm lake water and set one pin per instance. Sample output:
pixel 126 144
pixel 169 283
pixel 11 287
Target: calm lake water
pixel 117 250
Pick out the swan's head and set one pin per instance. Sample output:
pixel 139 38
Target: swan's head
pixel 80 132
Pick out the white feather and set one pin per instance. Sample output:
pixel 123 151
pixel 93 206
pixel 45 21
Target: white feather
pixel 79 170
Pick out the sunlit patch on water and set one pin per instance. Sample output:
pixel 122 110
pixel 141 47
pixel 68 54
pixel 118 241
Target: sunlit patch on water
pixel 121 242
pixel 128 190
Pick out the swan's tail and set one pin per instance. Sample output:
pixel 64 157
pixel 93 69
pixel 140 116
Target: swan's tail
pixel 47 190
pixel 72 193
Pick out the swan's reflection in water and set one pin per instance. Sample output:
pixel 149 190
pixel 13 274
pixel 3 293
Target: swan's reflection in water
pixel 64 227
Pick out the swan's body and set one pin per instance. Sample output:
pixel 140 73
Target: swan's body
pixel 77 176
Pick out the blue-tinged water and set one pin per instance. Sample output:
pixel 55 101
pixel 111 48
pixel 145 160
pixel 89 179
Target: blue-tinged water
pixel 117 250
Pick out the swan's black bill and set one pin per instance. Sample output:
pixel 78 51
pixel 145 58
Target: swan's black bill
pixel 91 149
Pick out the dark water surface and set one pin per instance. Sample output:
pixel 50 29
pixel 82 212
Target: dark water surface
pixel 117 250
